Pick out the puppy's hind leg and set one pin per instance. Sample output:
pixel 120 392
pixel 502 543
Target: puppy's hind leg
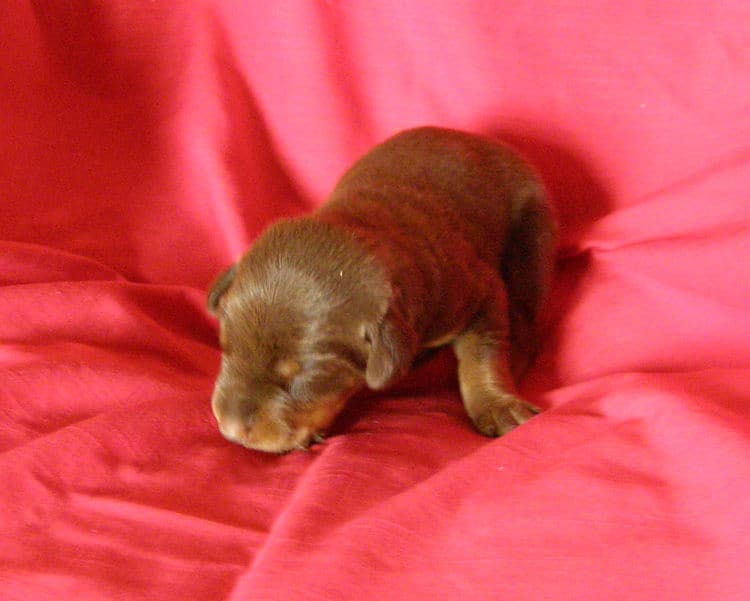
pixel 527 267
pixel 484 373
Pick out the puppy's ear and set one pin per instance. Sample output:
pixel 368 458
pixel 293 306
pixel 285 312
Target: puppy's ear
pixel 219 287
pixel 392 350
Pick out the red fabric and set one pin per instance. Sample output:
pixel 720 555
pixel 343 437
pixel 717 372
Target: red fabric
pixel 144 144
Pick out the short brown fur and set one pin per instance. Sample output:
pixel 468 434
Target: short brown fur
pixel 434 237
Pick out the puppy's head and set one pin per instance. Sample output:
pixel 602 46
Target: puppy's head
pixel 303 323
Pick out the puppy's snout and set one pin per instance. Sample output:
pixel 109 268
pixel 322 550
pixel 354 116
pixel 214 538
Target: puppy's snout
pixel 235 428
pixel 256 419
pixel 233 424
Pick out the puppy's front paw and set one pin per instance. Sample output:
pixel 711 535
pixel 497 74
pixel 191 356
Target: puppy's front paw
pixel 498 417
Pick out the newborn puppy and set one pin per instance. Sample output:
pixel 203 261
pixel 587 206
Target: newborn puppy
pixel 434 237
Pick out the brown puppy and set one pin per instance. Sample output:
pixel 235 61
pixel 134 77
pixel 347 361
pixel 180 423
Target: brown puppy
pixel 434 237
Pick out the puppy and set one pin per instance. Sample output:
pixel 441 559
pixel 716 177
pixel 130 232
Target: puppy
pixel 434 237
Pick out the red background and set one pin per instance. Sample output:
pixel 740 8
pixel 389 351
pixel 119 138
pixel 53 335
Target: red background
pixel 144 144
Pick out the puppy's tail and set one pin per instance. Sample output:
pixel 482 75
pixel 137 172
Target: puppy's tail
pixel 527 267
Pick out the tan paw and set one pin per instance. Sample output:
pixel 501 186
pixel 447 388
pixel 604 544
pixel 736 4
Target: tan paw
pixel 500 417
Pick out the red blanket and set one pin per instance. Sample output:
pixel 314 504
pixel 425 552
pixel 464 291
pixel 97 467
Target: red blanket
pixel 144 144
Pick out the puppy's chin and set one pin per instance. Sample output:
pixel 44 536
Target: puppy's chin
pixel 299 440
pixel 270 437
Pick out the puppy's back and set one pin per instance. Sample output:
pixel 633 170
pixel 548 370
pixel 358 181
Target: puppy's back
pixel 442 181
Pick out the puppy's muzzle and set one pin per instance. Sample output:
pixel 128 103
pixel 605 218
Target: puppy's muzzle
pixel 258 426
